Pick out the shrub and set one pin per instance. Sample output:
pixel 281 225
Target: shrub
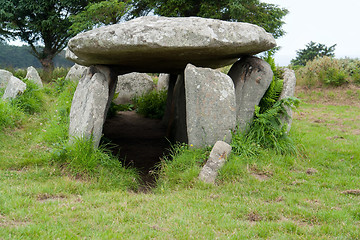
pixel 32 100
pixel 328 71
pixel 152 104
pixel 81 160
pixel 333 77
pixel 10 115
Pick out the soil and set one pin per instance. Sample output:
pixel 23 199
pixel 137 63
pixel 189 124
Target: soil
pixel 139 142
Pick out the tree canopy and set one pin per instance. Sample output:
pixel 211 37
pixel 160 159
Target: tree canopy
pixel 312 51
pixel 101 13
pixel 40 23
pixel 268 16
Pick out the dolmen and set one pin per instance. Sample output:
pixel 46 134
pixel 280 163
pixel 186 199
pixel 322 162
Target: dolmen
pixel 204 105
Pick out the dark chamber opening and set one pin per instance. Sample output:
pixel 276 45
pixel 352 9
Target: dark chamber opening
pixel 139 142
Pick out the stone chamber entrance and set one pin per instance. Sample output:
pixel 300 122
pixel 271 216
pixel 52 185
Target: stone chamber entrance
pixel 138 142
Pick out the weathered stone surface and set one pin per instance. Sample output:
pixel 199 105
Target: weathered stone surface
pixel 210 106
pixel 252 77
pixel 34 76
pixel 216 161
pixel 163 82
pixel 76 72
pixel 131 85
pixel 14 87
pixel 161 44
pixel 88 109
pixel 4 78
pixel 288 91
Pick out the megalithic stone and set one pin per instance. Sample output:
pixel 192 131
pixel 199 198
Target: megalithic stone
pixel 288 91
pixel 210 106
pixel 90 103
pixel 252 77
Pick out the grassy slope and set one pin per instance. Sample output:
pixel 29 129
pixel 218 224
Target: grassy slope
pixel 270 196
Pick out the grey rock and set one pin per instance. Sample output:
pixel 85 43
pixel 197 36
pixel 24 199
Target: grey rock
pixel 76 72
pixel 4 78
pixel 163 82
pixel 252 77
pixel 162 44
pixel 131 85
pixel 34 76
pixel 288 91
pixel 210 106
pixel 216 161
pixel 14 87
pixel 88 109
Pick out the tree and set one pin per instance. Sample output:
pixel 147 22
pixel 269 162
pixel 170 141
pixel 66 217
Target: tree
pixel 43 24
pixel 312 51
pixel 98 14
pixel 268 16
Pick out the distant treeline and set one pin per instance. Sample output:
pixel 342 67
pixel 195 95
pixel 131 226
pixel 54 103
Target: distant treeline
pixel 21 57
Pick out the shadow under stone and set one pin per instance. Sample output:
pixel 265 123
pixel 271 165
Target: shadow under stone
pixel 140 143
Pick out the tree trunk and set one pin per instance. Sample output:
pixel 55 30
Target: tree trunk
pixel 48 66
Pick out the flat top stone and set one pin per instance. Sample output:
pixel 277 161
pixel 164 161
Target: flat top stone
pixel 162 44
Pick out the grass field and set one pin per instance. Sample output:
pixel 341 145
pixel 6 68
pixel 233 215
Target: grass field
pixel 315 195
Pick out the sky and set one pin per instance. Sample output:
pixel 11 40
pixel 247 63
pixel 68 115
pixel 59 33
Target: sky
pixel 327 22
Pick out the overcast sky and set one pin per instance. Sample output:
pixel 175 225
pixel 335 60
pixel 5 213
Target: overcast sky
pixel 323 21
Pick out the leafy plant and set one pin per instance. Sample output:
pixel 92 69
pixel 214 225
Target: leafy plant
pixel 152 104
pixel 267 131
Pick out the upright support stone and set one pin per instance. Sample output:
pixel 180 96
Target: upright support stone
pixel 34 76
pixel 288 91
pixel 14 87
pixel 210 106
pixel 163 81
pixel 252 77
pixel 4 78
pixel 76 72
pixel 90 103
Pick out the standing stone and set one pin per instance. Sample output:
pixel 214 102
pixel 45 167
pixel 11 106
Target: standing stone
pixel 34 76
pixel 210 106
pixel 89 106
pixel 216 161
pixel 163 82
pixel 252 77
pixel 76 72
pixel 131 85
pixel 14 87
pixel 4 78
pixel 288 91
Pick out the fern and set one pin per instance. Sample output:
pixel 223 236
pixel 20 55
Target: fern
pixel 272 95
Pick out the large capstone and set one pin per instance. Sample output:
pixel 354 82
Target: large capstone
pixel 162 44
pixel 89 106
pixel 252 77
pixel 210 106
pixel 288 91
pixel 4 78
pixel 132 85
pixel 14 87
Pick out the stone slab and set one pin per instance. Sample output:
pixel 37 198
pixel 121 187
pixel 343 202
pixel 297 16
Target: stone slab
pixel 210 106
pixel 162 44
pixel 14 87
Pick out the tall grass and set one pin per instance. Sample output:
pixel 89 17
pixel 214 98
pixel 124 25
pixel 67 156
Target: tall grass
pixel 81 160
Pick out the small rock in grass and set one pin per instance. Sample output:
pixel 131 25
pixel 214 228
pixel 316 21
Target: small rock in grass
pixel 311 171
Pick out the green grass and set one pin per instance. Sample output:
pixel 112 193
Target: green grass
pixel 264 196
